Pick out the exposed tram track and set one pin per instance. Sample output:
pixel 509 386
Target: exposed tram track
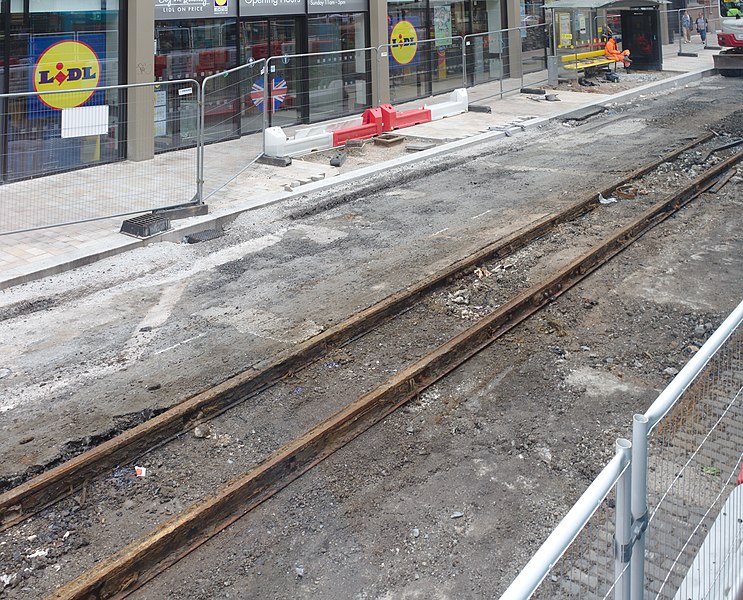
pixel 144 559
pixel 47 488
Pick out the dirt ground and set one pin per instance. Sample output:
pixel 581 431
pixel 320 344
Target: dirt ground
pixel 449 497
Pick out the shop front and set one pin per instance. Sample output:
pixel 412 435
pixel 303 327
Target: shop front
pixel 194 41
pixel 315 72
pixel 58 45
pixel 420 68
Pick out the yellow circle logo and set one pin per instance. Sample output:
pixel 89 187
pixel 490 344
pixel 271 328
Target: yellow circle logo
pixel 220 2
pixel 65 67
pixel 404 42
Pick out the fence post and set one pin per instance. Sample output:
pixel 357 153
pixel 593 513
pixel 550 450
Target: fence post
pixel 623 522
pixel 266 108
pixel 464 61
pixel 378 65
pixel 639 505
pixel 200 140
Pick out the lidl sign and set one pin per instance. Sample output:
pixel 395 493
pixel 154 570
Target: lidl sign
pixel 404 43
pixel 64 66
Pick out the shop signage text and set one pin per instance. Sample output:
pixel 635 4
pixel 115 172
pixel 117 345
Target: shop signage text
pixel 194 9
pixel 325 6
pixel 249 8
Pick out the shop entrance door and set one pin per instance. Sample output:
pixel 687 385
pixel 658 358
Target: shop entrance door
pixel 276 37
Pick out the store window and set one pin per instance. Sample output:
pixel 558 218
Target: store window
pixel 195 49
pixel 339 84
pixel 448 19
pixel 83 36
pixel 408 24
pixel 534 36
pixel 488 50
pixel 276 37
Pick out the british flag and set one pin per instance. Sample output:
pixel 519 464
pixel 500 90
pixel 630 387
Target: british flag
pixel 279 89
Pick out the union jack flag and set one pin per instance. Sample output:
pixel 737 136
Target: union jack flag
pixel 279 90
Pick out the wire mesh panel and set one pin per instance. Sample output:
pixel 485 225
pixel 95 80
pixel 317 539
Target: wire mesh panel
pixel 232 120
pixel 484 55
pixel 422 68
pixel 307 88
pixel 534 49
pixel 586 569
pixel 694 457
pixel 88 153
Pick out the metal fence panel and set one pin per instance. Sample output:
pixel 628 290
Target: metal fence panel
pixel 422 68
pixel 93 151
pixel 489 58
pixel 232 124
pixel 578 559
pixel 677 527
pixel 694 458
pixel 307 88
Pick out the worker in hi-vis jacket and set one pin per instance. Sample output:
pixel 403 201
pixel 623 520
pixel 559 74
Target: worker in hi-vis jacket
pixel 612 50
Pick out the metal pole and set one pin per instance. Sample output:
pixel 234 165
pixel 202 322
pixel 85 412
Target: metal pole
pixel 623 522
pixel 464 61
pixel 266 84
pixel 682 33
pixel 531 576
pixel 200 144
pixel 380 56
pixel 639 504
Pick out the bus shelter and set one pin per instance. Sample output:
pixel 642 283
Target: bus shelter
pixel 580 26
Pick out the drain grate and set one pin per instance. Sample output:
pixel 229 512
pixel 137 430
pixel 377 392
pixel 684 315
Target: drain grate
pixel 145 226
pixel 204 236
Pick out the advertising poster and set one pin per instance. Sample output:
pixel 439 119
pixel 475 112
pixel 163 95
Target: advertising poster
pixel 404 42
pixel 442 25
pixel 66 64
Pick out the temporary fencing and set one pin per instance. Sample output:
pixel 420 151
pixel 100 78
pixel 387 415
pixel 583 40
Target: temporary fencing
pixel 699 35
pixel 307 88
pixel 488 57
pixel 667 522
pixel 692 437
pixel 421 68
pixel 97 160
pixel 233 106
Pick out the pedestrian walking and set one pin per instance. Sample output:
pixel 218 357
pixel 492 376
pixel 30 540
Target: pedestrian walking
pixel 686 26
pixel 702 28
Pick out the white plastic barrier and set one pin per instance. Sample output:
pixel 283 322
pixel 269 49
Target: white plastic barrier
pixel 458 103
pixel 277 144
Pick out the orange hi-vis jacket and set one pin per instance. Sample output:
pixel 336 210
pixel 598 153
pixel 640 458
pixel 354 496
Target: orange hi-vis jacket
pixel 612 50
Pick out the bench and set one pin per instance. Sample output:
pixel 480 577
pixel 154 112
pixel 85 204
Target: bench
pixel 587 61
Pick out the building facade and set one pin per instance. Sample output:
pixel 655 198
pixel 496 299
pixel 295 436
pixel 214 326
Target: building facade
pixel 319 70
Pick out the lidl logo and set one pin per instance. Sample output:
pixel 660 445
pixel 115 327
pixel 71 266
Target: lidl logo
pixel 221 7
pixel 404 42
pixel 67 66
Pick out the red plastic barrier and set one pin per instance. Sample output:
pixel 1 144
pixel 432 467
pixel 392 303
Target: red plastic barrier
pixel 371 125
pixel 396 120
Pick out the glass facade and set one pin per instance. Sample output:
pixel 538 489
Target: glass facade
pixel 62 44
pixel 193 49
pixel 437 66
pixel 303 89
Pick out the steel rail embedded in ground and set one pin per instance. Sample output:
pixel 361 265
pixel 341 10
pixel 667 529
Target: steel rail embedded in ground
pixel 45 489
pixel 144 559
